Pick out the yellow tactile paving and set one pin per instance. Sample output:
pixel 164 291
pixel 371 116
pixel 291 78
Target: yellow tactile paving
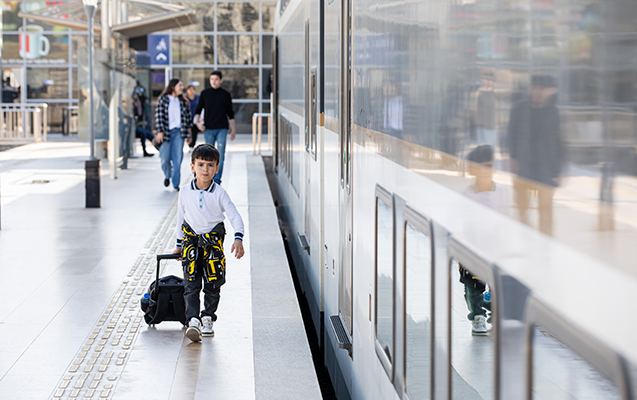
pixel 108 345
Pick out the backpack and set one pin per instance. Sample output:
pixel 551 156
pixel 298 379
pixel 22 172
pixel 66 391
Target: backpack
pixel 166 297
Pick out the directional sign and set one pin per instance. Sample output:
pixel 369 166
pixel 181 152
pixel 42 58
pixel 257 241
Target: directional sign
pixel 158 47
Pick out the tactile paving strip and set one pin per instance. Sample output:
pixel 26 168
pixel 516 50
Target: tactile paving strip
pixel 97 367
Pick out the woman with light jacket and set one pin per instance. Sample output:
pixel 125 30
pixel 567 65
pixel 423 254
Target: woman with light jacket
pixel 173 122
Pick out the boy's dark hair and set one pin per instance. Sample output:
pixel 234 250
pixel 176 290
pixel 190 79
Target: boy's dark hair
pixel 481 154
pixel 218 73
pixel 206 152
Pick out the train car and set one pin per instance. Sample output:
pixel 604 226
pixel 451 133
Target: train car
pixel 458 188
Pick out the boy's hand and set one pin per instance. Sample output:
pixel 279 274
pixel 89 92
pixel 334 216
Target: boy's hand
pixel 177 251
pixel 237 249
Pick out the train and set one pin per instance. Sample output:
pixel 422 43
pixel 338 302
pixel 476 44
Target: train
pixel 457 185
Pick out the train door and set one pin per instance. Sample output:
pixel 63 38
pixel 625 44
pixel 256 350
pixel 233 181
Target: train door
pixel 274 107
pixel 310 132
pixel 308 141
pixel 345 300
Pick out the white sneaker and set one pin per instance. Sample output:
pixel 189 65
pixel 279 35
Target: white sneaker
pixel 194 330
pixel 479 327
pixel 207 326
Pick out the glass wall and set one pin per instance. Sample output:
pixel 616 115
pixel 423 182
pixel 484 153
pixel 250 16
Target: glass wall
pixel 42 69
pixel 234 37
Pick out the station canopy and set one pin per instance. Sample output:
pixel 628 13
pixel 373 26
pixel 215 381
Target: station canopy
pixel 144 17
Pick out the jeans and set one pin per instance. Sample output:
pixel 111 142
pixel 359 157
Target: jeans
pixel 194 131
pixel 218 136
pixel 211 297
pixel 143 134
pixel 171 154
pixel 473 295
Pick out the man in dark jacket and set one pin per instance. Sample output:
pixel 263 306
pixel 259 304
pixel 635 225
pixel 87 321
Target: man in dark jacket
pixel 536 149
pixel 9 93
pixel 218 114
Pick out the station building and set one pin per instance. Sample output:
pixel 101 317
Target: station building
pixel 158 41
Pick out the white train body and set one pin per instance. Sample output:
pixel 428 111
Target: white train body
pixel 376 107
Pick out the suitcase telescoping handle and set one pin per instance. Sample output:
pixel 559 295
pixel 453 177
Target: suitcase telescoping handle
pixel 165 257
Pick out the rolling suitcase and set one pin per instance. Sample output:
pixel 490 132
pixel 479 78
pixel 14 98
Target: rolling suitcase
pixel 165 297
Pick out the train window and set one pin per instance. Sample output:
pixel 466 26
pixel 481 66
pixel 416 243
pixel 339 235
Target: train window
pixel 560 373
pixel 306 79
pixel 384 305
pixel 417 280
pixel 472 317
pixel 285 127
pixel 472 351
pixel 565 362
pixel 313 112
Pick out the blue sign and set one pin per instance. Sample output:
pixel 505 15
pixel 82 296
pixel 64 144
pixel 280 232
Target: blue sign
pixel 159 49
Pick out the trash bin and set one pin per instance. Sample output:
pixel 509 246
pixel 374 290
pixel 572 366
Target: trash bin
pixel 69 120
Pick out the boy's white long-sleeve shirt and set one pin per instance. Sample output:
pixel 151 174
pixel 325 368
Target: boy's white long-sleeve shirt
pixel 203 209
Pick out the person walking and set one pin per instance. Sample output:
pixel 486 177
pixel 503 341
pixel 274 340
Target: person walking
pixel 173 121
pixel 201 209
pixel 193 99
pixel 216 104
pixel 536 149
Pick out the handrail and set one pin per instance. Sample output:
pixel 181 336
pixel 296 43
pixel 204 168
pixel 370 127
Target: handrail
pixel 19 109
pixel 15 124
pixel 45 105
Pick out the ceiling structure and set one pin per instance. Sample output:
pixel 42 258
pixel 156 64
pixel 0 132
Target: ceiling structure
pixel 139 17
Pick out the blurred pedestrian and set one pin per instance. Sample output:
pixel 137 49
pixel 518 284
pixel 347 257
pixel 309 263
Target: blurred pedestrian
pixel 536 149
pixel 216 105
pixel 173 121
pixel 193 99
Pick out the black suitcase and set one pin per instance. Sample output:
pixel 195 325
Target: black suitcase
pixel 166 297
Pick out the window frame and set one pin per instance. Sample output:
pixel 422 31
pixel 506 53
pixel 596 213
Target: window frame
pixel 423 225
pixel 384 195
pixel 597 354
pixel 465 255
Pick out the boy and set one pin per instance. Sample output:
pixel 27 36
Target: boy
pixel 486 192
pixel 200 215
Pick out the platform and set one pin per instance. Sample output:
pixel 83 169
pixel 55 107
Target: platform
pixel 70 322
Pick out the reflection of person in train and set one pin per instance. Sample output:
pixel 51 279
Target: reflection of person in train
pixel 486 192
pixel 392 110
pixel 536 149
pixel 486 132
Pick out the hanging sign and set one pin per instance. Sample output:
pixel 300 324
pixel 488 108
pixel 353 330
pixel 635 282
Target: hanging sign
pixel 158 47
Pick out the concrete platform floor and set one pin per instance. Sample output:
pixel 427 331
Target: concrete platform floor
pixel 70 323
